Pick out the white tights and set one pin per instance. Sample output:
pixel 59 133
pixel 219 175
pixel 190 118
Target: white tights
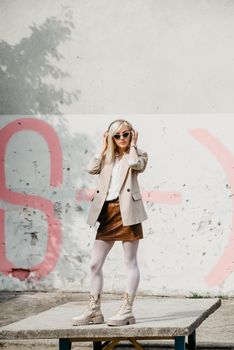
pixel 99 254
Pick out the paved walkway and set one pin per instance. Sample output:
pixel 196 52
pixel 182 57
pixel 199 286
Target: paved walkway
pixel 217 331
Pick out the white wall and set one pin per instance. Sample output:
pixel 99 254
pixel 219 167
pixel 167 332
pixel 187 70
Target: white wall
pixel 167 66
pixel 187 191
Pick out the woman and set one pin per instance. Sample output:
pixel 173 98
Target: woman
pixel 117 205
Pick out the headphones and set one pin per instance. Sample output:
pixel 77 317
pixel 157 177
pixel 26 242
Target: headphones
pixel 117 120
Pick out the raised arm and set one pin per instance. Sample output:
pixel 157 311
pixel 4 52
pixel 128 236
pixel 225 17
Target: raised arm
pixel 94 166
pixel 138 159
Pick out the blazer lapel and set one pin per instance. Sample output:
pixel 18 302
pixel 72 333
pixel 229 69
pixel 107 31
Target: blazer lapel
pixel 108 172
pixel 124 169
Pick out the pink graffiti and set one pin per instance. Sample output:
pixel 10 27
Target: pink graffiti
pixel 54 226
pixel 225 264
pixel 162 197
pixel 84 195
pixel 147 196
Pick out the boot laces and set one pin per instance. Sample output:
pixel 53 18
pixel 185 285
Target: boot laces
pixel 124 304
pixel 91 304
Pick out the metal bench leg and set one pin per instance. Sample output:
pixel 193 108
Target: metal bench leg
pixel 111 344
pixel 136 344
pixel 97 345
pixel 192 341
pixel 180 343
pixel 64 344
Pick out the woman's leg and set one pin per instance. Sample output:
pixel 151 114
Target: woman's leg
pixel 130 258
pixel 99 253
pixel 124 315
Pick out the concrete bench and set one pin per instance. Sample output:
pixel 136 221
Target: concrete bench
pixel 156 318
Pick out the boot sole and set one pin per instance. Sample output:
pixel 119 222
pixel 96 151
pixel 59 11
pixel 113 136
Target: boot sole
pixel 130 320
pixel 90 321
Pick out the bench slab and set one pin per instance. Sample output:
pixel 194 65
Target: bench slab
pixel 161 318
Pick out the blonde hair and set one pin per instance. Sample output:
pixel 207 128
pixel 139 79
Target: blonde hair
pixel 111 146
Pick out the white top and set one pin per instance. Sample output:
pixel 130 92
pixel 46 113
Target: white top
pixel 113 190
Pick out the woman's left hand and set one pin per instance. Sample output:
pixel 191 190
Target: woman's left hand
pixel 134 137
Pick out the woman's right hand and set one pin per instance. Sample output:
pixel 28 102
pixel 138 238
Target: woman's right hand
pixel 104 142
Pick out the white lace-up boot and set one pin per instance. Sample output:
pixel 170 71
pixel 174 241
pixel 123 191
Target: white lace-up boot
pixel 92 314
pixel 124 315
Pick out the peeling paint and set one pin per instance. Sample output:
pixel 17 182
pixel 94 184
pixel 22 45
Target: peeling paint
pixel 21 274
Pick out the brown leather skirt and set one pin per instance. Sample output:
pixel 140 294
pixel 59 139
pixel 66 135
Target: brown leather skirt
pixel 111 227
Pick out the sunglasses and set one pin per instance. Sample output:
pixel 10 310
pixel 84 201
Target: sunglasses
pixel 125 135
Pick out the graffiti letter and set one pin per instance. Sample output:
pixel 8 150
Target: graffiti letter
pixel 54 230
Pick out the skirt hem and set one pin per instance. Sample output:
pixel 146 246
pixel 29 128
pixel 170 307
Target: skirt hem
pixel 118 239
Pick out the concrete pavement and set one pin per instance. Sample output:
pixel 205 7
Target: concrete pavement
pixel 217 331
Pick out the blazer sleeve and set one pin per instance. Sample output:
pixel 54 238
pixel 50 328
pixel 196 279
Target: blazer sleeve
pixel 94 166
pixel 138 159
